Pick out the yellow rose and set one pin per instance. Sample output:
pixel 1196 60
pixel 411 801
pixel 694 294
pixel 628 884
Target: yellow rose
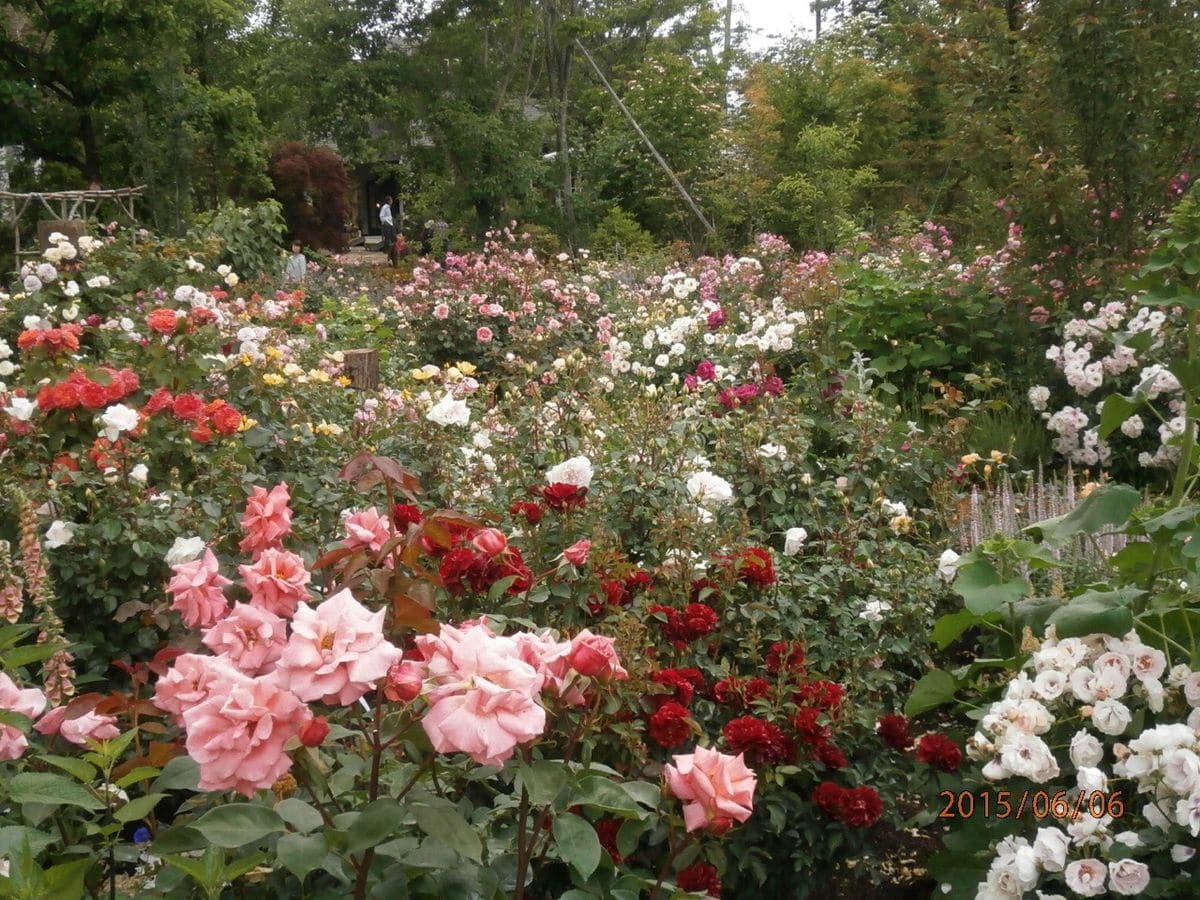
pixel 343 381
pixel 247 423
pixel 970 459
pixel 453 374
pixel 466 368
pixel 273 379
pixel 319 375
pixel 291 370
pixel 997 456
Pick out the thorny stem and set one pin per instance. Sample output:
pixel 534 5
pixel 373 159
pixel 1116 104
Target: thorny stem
pixel 673 851
pixel 522 848
pixel 364 866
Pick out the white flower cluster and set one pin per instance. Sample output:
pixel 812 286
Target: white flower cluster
pixel 60 250
pixel 1098 678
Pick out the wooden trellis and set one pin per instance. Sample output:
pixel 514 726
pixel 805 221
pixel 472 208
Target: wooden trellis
pixel 66 206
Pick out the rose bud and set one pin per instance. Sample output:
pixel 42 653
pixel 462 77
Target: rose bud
pixel 490 541
pixel 405 680
pixel 577 553
pixel 313 734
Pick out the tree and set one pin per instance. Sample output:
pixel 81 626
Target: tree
pixel 312 185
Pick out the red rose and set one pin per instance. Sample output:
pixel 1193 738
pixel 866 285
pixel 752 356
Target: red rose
pixel 699 878
pixel 763 743
pixel 754 566
pixel 831 757
pixel 785 655
pixel 809 730
pixel 606 830
pixel 893 731
pixel 93 395
pixel 860 807
pixel 669 726
pixel 188 407
pixel 531 511
pixel 561 496
pixel 314 733
pixel 490 541
pixel 163 321
pixel 939 751
pixel 696 621
pixel 679 682
pixel 405 514
pixel 826 695
pixel 226 419
pixel 159 400
pixel 828 797
pixel 202 434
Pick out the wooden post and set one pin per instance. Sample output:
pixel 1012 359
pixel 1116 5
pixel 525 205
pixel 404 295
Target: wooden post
pixel 362 368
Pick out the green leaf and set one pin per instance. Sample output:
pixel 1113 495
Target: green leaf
pixel 31 653
pixel 65 881
pixel 11 836
pixel 141 773
pixel 52 790
pixel 447 825
pixel 577 843
pixel 237 824
pixel 79 769
pixel 300 815
pixel 544 780
pixel 935 688
pixel 1096 612
pixel 1116 410
pixel 208 871
pixel 1172 519
pixel 180 774
pixel 983 590
pixel 375 824
pixel 1107 505
pixel 600 793
pixel 138 808
pixel 301 854
pixel 950 627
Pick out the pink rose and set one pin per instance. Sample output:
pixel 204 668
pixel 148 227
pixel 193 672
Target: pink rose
pixel 595 656
pixel 551 659
pixel 27 702
pixel 267 520
pixel 717 789
pixel 405 680
pixel 483 700
pixel 314 733
pixel 197 589
pixel 336 652
pixel 78 729
pixel 490 541
pixel 250 637
pixel 237 736
pixel 367 529
pixel 577 553
pixel 483 334
pixel 277 581
pixel 191 679
pixel 441 311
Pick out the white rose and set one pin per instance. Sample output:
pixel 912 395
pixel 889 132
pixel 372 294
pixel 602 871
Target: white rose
pixel 708 489
pixel 1181 770
pixel 231 279
pixel 448 411
pixel 793 540
pixel 1086 877
pixel 118 418
pixel 31 284
pixel 947 565
pixel 1050 848
pixel 59 533
pixel 1027 756
pixel 184 550
pixel 575 471
pixel 1031 717
pixel 100 281
pixel 6 368
pixel 1086 750
pixel 772 451
pixel 1181 853
pixel 1128 876
pixel 1090 780
pixel 1129 839
pixel 21 408
pixel 873 610
pixel 47 273
pixel 1191 689
pixel 1111 717
pixel 139 473
pixel 1050 684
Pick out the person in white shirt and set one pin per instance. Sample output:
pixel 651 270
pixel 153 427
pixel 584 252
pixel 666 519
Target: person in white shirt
pixel 388 226
pixel 297 265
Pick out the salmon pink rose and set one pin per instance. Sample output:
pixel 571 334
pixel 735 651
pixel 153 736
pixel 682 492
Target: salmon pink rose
pixel 277 581
pixel 405 680
pixel 191 679
pixel 79 728
pixel 267 520
pixel 336 652
pixel 367 528
pixel 577 553
pixel 717 789
pixel 26 702
pixel 595 656
pixel 198 591
pixel 236 736
pixel 250 637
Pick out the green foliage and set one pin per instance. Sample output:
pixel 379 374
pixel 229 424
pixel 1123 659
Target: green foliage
pixel 619 236
pixel 249 236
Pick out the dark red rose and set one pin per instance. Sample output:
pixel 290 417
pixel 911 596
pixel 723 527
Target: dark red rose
pixel 561 496
pixel 893 731
pixel 831 757
pixel 696 621
pixel 405 514
pixel 773 386
pixel 754 566
pixel 808 728
pixel 860 807
pixel 717 318
pixel 939 751
pixel 532 512
pixel 699 878
pixel 826 695
pixel 828 797
pixel 764 743
pixel 706 371
pixel 606 830
pixel 669 726
pixel 787 655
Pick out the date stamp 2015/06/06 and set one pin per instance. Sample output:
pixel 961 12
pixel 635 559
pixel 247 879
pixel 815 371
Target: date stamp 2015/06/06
pixel 1005 804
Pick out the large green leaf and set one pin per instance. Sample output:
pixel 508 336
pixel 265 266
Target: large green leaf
pixel 577 843
pixel 544 779
pixel 600 793
pixel 1096 612
pixel 236 824
pixel 52 790
pixel 300 815
pixel 447 825
pixel 950 627
pixel 1105 506
pixel 1116 410
pixel 179 774
pixel 302 853
pixel 376 824
pixel 935 688
pixel 983 590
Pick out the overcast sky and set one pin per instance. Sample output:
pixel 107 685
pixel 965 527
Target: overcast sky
pixel 773 18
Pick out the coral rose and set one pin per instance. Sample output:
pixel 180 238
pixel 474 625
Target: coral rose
pixel 80 728
pixel 237 736
pixel 577 553
pixel 197 589
pixel 367 528
pixel 595 656
pixel 26 702
pixel 267 520
pixel 162 320
pixel 252 638
pixel 336 652
pixel 717 789
pixel 191 680
pixel 277 582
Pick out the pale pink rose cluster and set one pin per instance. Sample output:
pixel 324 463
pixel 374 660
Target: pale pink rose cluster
pixel 484 689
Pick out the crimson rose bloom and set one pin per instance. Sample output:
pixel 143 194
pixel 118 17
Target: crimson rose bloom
pixel 735 691
pixel 560 496
pixel 763 743
pixel 810 731
pixel 531 511
pixel 828 797
pixel 669 726
pixel 700 877
pixel 606 831
pixel 405 514
pixel 939 751
pixel 893 731
pixel 678 682
pixel 860 807
pixel 754 566
pixel 831 756
pixel 826 695
pixel 785 655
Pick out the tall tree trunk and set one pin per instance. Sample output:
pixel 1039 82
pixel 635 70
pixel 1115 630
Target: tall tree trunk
pixel 727 51
pixel 91 150
pixel 560 54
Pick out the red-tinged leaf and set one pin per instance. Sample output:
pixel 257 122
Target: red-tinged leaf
pixel 161 753
pixel 354 469
pixel 451 517
pixel 331 558
pixel 392 470
pixel 408 613
pixel 129 609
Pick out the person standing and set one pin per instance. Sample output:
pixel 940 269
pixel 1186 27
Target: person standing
pixel 297 265
pixel 388 225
